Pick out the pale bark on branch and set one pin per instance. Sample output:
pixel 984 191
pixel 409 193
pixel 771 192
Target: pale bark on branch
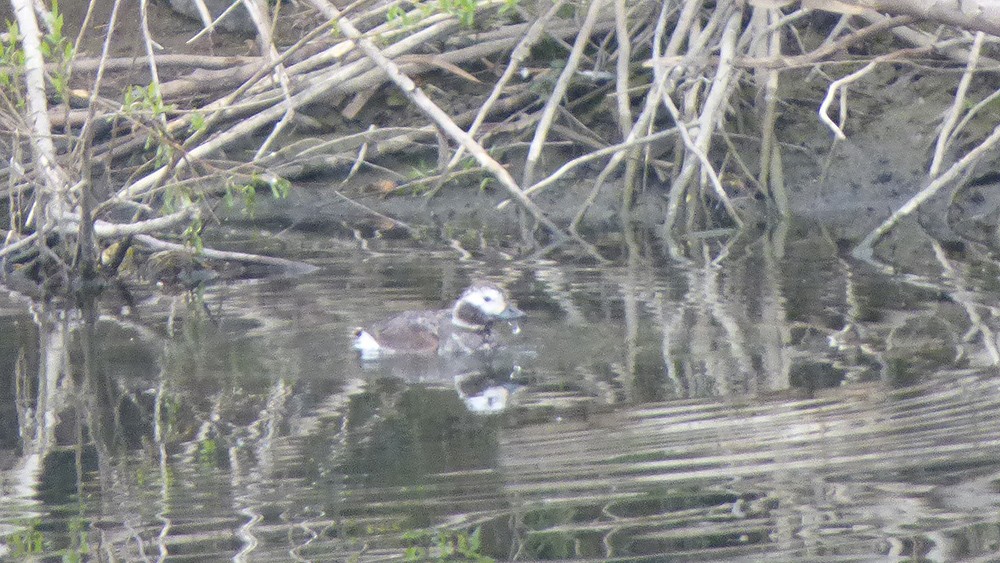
pixel 43 149
pixel 417 96
pixel 973 15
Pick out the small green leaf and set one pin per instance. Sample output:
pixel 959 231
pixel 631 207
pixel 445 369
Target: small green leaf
pixel 197 122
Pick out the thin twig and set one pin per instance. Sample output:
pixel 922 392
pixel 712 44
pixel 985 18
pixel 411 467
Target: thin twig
pixel 958 103
pixel 698 147
pixel 517 56
pixel 973 111
pixel 835 88
pixel 612 149
pixel 706 166
pixel 290 266
pixel 53 195
pixel 645 118
pixel 331 80
pixel 9 247
pixel 624 60
pixel 865 247
pixel 559 91
pixel 417 96
pixel 770 173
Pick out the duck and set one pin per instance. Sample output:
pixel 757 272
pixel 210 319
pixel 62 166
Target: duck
pixel 464 329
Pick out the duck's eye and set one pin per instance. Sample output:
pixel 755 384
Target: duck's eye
pixel 487 298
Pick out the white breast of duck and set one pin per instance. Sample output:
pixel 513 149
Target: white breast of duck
pixel 466 328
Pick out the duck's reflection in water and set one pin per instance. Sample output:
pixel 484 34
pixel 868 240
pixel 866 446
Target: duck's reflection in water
pixel 485 384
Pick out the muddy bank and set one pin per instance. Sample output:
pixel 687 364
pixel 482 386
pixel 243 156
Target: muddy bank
pixel 850 186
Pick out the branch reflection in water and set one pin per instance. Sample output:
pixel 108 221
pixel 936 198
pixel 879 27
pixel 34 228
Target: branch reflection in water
pixel 732 399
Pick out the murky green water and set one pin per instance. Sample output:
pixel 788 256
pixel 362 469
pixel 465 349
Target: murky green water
pixel 771 398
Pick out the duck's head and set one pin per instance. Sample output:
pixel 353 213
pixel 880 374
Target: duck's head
pixel 481 305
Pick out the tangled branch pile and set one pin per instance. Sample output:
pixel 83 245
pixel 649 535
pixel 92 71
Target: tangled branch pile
pixel 685 93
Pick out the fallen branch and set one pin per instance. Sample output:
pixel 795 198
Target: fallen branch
pixel 52 196
pixel 555 99
pixel 517 57
pixel 698 147
pixel 417 96
pixel 320 85
pixel 944 135
pixel 976 15
pixel 291 267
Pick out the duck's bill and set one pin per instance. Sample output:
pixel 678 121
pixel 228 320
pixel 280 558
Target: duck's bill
pixel 511 313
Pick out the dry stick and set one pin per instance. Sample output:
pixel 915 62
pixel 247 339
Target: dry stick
pixel 353 76
pixel 777 175
pixel 265 42
pixel 86 244
pixel 832 90
pixel 740 162
pixel 784 20
pixel 104 229
pixel 577 131
pixel 972 113
pixel 194 61
pixel 623 98
pixel 612 149
pixel 386 31
pixel 783 62
pixel 622 69
pixel 99 78
pixel 830 40
pixel 645 118
pixel 770 149
pixel 757 31
pixel 643 122
pixel 651 101
pixel 206 18
pixel 507 37
pixel 360 160
pixel 417 96
pixel 220 106
pixel 382 142
pixel 681 30
pixel 290 266
pixel 717 95
pixel 839 85
pixel 54 189
pixel 562 84
pixel 147 42
pixel 865 247
pixel 956 107
pixel 371 211
pixel 517 56
pixel 950 49
pixel 697 45
pixel 692 145
pixel 337 53
pixel 375 77
pixel 331 80
pixel 84 26
pixel 154 75
pixel 11 247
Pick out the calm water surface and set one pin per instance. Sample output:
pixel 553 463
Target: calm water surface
pixel 770 398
